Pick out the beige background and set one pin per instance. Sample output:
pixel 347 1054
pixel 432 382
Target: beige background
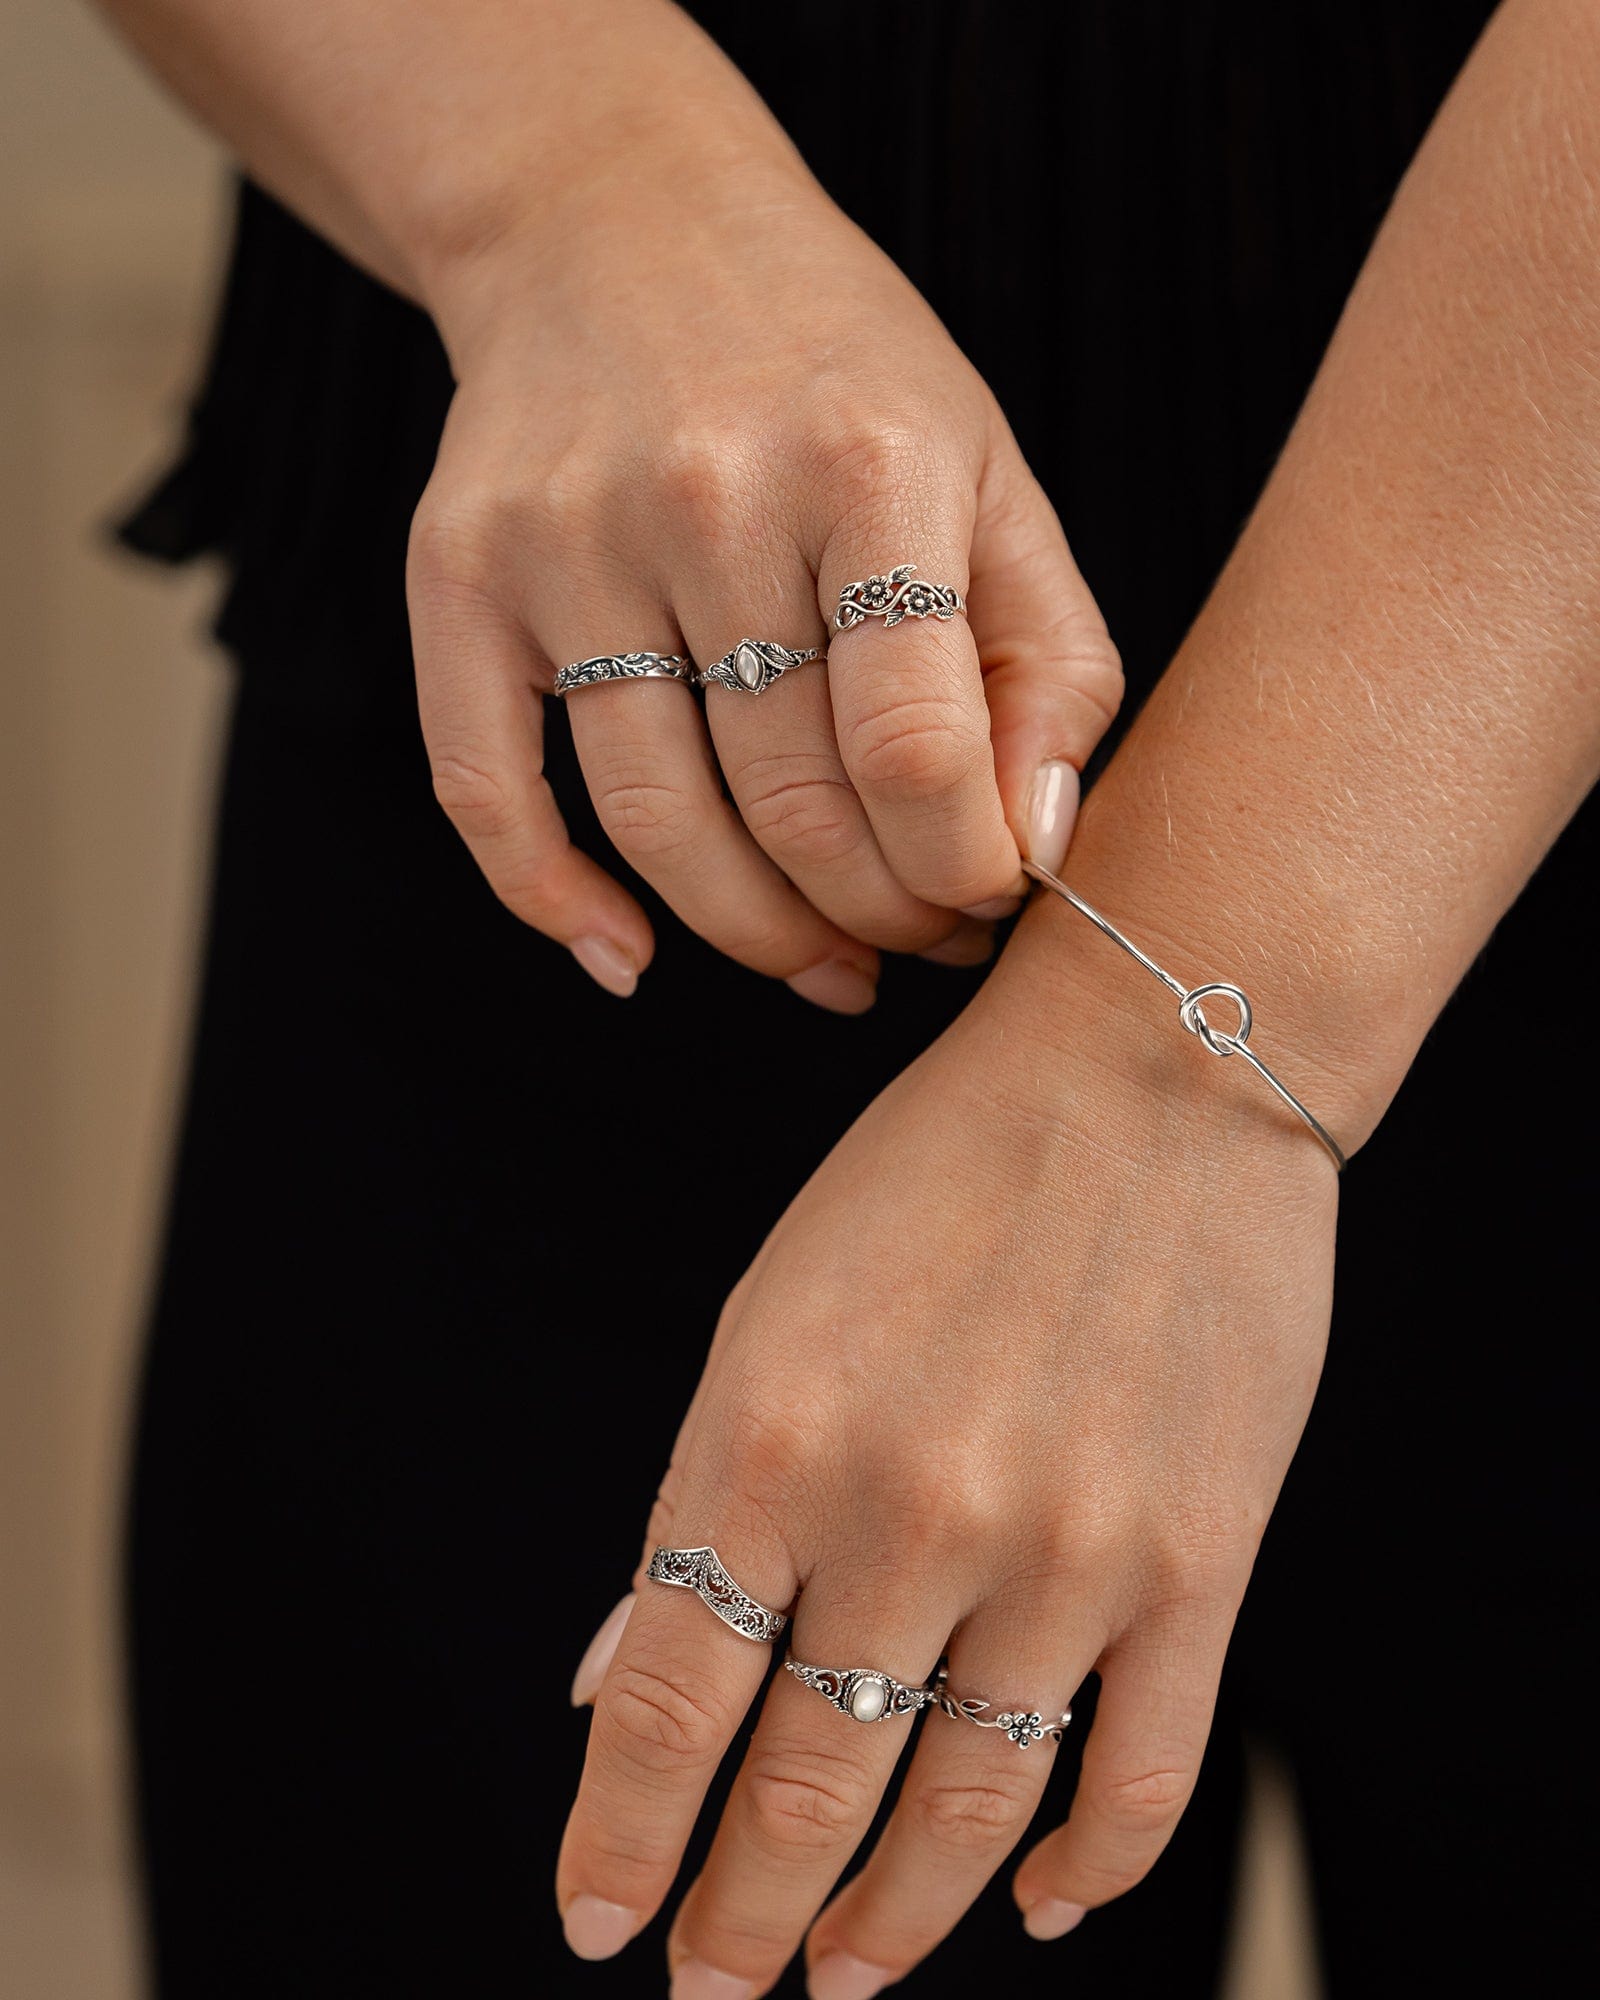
pixel 110 704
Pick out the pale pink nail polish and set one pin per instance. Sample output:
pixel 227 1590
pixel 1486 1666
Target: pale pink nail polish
pixel 598 1929
pixel 839 1976
pixel 1052 1918
pixel 836 984
pixel 597 1655
pixel 1051 811
pixel 607 964
pixel 996 908
pixel 694 1981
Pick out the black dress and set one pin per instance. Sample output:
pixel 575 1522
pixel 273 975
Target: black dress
pixel 393 1375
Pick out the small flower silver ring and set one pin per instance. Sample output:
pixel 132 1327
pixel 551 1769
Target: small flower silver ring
pixel 1020 1726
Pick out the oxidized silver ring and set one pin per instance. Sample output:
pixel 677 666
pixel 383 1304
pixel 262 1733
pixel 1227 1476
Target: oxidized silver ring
pixel 894 597
pixel 862 1693
pixel 1022 1726
pixel 624 667
pixel 699 1570
pixel 754 664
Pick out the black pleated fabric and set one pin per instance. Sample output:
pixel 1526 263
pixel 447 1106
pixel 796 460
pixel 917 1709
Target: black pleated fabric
pixel 449 1229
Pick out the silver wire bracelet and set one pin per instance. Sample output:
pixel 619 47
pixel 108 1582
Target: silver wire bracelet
pixel 1190 1012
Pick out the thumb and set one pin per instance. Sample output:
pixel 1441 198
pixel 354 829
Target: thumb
pixel 1050 672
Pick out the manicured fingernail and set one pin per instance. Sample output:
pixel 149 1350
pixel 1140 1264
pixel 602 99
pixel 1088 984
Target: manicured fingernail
pixel 1052 1919
pixel 968 944
pixel 996 908
pixel 1051 811
pixel 597 1929
pixel 841 1977
pixel 836 984
pixel 694 1981
pixel 592 1667
pixel 607 964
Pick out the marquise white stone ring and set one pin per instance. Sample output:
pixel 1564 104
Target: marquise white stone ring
pixel 753 666
pixel 863 1693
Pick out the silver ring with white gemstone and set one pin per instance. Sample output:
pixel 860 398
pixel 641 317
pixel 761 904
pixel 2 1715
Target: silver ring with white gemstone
pixel 624 667
pixel 1023 1727
pixel 865 1694
pixel 894 596
pixel 701 1571
pixel 754 664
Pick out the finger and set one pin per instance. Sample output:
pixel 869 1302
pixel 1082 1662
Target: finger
pixel 809 1786
pixel 1051 673
pixel 654 780
pixel 673 1696
pixel 1157 1695
pixel 966 1802
pixel 781 757
pixel 908 699
pixel 482 721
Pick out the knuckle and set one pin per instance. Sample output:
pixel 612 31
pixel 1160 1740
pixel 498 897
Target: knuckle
pixel 912 749
pixel 701 477
pixel 1144 1801
pixel 474 795
pixel 646 819
pixel 869 458
pixel 454 544
pixel 655 1721
pixel 961 1820
pixel 802 1802
pixel 766 1452
pixel 811 818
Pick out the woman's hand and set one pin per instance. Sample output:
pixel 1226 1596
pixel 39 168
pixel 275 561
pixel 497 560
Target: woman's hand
pixel 694 403
pixel 1016 1379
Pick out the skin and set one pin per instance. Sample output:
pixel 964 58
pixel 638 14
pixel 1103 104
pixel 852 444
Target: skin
pixel 636 462
pixel 1052 1446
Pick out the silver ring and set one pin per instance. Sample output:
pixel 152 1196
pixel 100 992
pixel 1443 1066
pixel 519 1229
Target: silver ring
pixel 894 597
pixel 863 1693
pixel 700 1570
pixel 754 664
pixel 1022 1726
pixel 624 667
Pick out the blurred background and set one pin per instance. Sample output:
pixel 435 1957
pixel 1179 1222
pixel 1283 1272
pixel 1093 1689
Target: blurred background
pixel 111 701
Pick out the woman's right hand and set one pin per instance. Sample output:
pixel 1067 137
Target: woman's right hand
pixel 694 402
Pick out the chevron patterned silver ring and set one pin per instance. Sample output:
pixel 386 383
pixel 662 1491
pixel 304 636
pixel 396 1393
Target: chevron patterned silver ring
pixel 624 667
pixel 863 1693
pixel 753 666
pixel 895 596
pixel 701 1571
pixel 1023 1727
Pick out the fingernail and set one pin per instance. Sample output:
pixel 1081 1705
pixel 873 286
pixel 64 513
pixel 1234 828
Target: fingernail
pixel 836 984
pixel 996 908
pixel 607 964
pixel 597 1657
pixel 968 944
pixel 597 1929
pixel 1051 811
pixel 694 1981
pixel 1052 1919
pixel 841 1977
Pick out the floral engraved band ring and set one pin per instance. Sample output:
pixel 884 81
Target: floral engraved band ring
pixel 754 664
pixel 623 667
pixel 862 1693
pixel 1022 1726
pixel 894 597
pixel 700 1571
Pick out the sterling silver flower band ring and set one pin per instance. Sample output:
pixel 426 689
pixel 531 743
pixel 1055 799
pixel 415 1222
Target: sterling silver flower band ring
pixel 865 1694
pixel 752 666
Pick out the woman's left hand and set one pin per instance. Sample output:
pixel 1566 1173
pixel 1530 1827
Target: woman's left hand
pixel 1015 1381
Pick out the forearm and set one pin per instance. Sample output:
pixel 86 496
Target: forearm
pixel 1391 704
pixel 414 133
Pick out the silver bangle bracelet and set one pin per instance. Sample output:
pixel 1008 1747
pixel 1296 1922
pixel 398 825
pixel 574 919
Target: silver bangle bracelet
pixel 1190 1012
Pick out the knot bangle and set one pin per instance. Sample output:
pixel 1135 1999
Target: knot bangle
pixel 1192 1014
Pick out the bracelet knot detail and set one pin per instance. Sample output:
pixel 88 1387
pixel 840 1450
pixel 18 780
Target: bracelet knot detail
pixel 1190 1012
